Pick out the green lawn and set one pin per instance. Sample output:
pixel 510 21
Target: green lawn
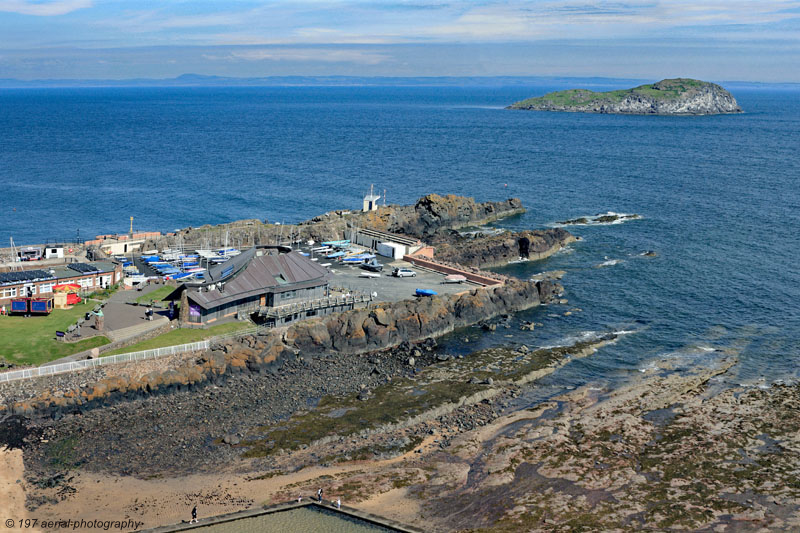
pixel 182 336
pixel 31 340
pixel 155 295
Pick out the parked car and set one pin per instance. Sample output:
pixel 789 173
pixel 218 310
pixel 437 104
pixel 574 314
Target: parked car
pixel 404 273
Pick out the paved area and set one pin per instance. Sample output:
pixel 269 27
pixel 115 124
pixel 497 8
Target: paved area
pixel 131 295
pixel 389 288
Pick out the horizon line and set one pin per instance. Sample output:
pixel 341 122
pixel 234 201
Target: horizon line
pixel 209 80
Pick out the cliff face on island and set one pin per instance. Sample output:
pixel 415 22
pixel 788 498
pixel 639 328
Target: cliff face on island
pixel 679 96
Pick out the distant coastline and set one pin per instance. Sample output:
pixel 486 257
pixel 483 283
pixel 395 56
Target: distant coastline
pixel 200 80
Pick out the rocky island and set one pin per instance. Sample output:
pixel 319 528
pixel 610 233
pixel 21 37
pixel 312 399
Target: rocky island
pixel 680 96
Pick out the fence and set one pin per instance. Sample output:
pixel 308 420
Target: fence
pixel 320 303
pixel 155 353
pixel 41 371
pixel 447 269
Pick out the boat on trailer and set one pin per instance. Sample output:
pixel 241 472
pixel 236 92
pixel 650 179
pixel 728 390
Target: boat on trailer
pixel 425 292
pixel 455 278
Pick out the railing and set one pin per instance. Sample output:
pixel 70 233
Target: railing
pixel 155 353
pixel 321 303
pixel 74 366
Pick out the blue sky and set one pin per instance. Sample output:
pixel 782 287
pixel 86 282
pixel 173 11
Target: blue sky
pixel 650 39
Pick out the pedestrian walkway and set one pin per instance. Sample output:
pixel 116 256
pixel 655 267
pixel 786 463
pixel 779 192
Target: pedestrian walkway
pixel 137 330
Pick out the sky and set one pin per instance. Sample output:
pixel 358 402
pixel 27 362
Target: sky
pixel 650 39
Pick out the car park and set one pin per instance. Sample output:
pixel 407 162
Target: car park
pixel 404 273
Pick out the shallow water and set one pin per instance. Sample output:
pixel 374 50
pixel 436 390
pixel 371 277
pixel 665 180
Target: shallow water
pixel 301 520
pixel 718 196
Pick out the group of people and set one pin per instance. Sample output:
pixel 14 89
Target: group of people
pixel 337 504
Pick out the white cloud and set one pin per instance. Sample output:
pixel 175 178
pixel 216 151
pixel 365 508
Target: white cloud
pixel 43 9
pixel 323 55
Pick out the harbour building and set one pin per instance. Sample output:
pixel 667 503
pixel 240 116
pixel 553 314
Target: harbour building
pixel 270 284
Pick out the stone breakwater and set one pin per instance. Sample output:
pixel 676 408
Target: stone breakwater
pixel 345 334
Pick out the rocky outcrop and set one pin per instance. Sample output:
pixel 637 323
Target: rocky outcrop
pixel 343 334
pixel 430 215
pixel 496 250
pixel 679 96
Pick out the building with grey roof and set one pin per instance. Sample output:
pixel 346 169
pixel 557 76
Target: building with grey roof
pixel 256 283
pixel 39 282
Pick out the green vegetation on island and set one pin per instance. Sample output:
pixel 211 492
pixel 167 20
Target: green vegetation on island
pixel 680 96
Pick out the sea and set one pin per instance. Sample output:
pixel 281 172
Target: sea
pixel 718 198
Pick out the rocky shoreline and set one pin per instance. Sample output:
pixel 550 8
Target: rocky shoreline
pixel 293 397
pixel 340 335
pixel 498 250
pixel 431 216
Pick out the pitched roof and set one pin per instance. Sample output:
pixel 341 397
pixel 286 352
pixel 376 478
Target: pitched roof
pixel 250 274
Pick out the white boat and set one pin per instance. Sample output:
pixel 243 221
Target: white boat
pixel 369 275
pixel 455 278
pixel 520 260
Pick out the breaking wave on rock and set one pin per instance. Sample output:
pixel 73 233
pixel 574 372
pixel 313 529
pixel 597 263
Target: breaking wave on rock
pixel 600 219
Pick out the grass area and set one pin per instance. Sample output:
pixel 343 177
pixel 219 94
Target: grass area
pixel 32 340
pixel 155 295
pixel 182 336
pixel 663 90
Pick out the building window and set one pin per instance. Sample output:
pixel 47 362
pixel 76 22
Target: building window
pixel 288 295
pixel 10 292
pixel 46 287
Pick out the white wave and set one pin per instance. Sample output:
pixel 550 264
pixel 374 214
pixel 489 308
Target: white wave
pixel 648 368
pixel 610 262
pixel 597 220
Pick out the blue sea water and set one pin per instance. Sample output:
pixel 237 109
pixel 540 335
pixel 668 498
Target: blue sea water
pixel 718 196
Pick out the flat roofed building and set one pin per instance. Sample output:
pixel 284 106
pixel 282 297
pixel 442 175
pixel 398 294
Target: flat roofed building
pixel 257 279
pixel 36 282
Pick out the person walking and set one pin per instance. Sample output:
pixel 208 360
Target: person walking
pixel 338 503
pixel 194 515
pixel 319 495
